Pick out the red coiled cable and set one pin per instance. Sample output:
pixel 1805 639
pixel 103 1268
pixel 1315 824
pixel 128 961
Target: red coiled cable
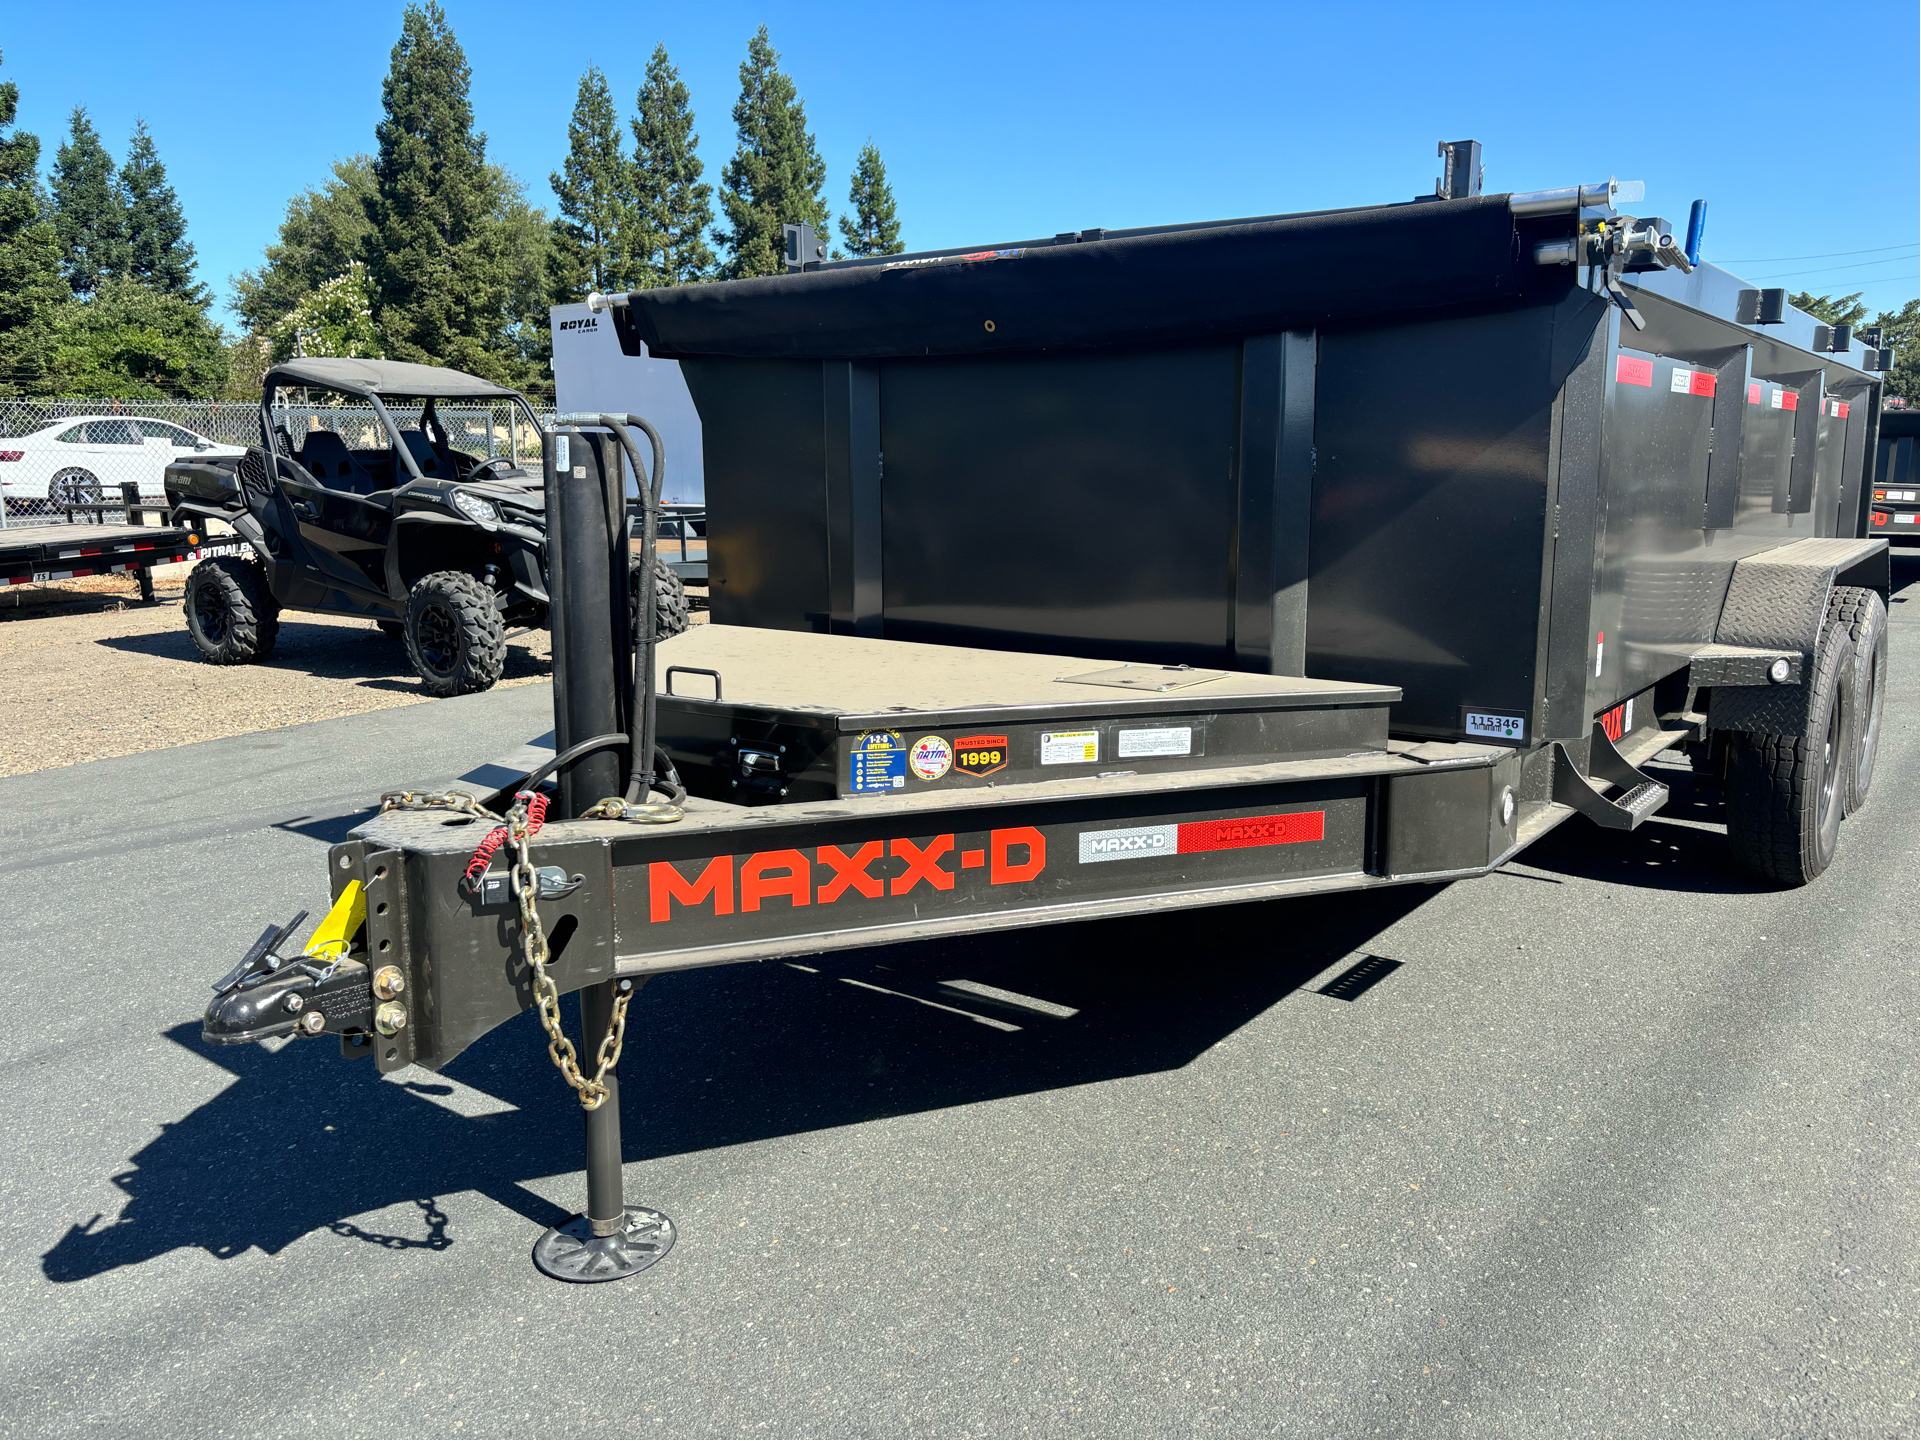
pixel 485 852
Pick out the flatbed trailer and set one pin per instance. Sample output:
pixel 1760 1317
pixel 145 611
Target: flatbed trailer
pixel 36 554
pixel 1608 506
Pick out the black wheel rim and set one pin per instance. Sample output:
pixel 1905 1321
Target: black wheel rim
pixel 1870 723
pixel 437 637
pixel 211 613
pixel 1833 747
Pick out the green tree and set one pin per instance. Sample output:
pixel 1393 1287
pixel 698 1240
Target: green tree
pixel 526 252
pixel 433 254
pixel 595 192
pixel 32 288
pixel 137 343
pixel 875 227
pixel 776 174
pixel 1829 309
pixel 323 232
pixel 1901 333
pixel 88 214
pixel 335 318
pixel 156 240
pixel 675 206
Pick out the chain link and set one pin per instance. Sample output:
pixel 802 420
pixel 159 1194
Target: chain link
pixel 618 808
pixel 524 882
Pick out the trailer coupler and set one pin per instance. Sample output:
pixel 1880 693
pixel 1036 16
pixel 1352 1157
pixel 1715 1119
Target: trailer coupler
pixel 321 989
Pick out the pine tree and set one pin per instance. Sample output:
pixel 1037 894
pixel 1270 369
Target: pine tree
pixel 1831 309
pixel 1899 333
pixel 875 228
pixel 88 214
pixel 676 207
pixel 31 286
pixel 158 254
pixel 325 230
pixel 776 174
pixel 596 197
pixel 432 253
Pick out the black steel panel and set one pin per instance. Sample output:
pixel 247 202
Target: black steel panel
pixel 1581 352
pixel 850 393
pixel 765 453
pixel 1078 503
pixel 1276 490
pixel 1430 503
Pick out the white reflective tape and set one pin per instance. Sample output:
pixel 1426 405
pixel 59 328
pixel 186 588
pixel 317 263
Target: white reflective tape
pixel 1129 844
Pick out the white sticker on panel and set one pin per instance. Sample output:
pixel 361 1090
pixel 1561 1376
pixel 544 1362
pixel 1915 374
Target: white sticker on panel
pixel 1161 741
pixel 1683 377
pixel 1496 724
pixel 1066 748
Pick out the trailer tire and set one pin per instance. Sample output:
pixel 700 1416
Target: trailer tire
pixel 1785 793
pixel 670 601
pixel 1865 615
pixel 455 638
pixel 231 613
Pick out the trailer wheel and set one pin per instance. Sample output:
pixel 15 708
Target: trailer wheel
pixel 455 638
pixel 1786 793
pixel 670 601
pixel 231 613
pixel 1865 615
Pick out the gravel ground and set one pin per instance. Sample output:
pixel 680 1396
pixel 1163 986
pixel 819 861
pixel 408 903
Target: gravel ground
pixel 90 671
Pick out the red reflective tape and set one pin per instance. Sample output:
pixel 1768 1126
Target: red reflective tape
pixel 1840 410
pixel 1790 400
pixel 1630 371
pixel 1754 392
pixel 1701 383
pixel 1247 831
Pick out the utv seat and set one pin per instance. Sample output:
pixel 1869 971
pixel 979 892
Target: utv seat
pixel 433 465
pixel 328 461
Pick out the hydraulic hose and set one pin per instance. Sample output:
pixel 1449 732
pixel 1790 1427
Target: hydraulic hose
pixel 649 482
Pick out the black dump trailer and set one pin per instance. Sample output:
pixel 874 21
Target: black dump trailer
pixel 1895 506
pixel 1125 572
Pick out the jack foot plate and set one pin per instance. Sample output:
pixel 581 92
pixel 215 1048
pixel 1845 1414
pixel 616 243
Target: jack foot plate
pixel 572 1252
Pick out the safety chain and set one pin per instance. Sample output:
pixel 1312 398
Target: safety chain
pixel 524 882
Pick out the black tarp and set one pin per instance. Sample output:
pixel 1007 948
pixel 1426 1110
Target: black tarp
pixel 1247 278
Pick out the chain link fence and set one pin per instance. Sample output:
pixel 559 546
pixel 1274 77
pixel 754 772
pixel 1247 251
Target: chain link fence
pixel 70 460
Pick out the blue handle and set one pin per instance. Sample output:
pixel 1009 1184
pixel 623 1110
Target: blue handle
pixel 1697 227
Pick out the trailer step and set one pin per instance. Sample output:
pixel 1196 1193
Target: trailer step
pixel 1637 796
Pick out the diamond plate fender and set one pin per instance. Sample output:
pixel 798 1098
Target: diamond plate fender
pixel 1778 601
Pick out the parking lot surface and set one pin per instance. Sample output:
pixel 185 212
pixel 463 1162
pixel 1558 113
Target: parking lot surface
pixel 1611 1142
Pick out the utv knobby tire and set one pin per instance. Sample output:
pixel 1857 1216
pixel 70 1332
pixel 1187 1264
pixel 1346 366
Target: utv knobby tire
pixel 455 638
pixel 1785 793
pixel 1865 615
pixel 670 601
pixel 231 613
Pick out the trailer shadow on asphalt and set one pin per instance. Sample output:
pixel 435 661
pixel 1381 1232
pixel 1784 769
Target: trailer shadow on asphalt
pixel 302 1141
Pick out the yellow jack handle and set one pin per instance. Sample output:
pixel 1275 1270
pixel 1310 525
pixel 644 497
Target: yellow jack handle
pixel 337 929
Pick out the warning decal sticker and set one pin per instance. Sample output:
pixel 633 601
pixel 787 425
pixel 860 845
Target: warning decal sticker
pixel 1197 837
pixel 878 762
pixel 1160 741
pixel 1065 748
pixel 1629 371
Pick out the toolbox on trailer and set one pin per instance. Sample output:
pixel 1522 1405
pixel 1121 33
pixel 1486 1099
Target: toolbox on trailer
pixel 1122 572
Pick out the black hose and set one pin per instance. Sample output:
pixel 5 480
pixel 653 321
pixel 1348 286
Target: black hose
pixel 569 756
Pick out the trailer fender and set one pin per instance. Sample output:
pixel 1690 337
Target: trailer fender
pixel 1776 605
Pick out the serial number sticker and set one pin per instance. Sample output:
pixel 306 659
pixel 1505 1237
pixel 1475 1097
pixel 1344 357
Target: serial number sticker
pixel 1162 741
pixel 1066 748
pixel 1496 725
pixel 878 762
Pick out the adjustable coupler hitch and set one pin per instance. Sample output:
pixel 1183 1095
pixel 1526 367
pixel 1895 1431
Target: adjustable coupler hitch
pixel 321 989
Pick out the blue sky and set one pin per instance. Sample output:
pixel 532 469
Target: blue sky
pixel 1008 122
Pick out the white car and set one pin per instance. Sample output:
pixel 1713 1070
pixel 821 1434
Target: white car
pixel 84 459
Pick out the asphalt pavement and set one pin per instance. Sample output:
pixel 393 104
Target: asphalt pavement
pixel 1611 1142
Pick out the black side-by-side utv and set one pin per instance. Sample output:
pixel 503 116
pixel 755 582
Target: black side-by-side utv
pixel 358 503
